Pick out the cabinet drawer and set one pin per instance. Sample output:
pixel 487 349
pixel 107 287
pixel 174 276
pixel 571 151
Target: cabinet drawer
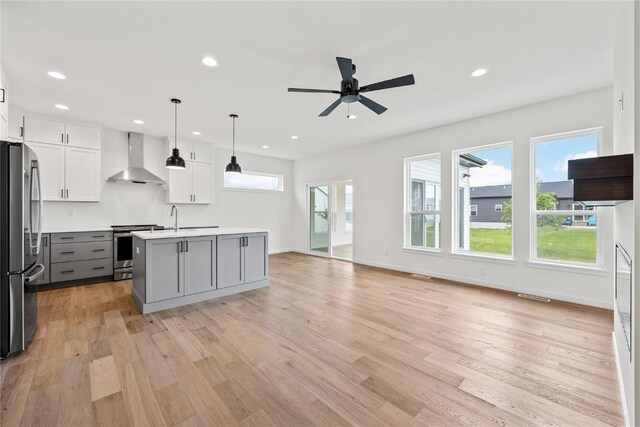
pixel 88 236
pixel 74 270
pixel 64 252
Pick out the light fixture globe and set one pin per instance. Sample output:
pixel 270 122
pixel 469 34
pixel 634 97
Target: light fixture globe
pixel 175 161
pixel 233 167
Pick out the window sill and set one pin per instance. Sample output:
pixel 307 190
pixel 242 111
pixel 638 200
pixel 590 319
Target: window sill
pixel 568 268
pixel 484 257
pixel 437 252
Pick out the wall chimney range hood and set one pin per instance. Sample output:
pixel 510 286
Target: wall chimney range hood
pixel 602 181
pixel 135 172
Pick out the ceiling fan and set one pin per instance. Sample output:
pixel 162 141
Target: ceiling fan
pixel 350 91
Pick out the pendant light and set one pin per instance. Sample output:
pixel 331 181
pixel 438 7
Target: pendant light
pixel 175 161
pixel 234 167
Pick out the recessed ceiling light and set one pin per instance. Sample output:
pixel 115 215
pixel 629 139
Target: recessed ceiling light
pixel 265 147
pixel 195 132
pixel 209 61
pixel 351 116
pixel 294 137
pixel 479 72
pixel 61 107
pixel 56 75
pixel 138 122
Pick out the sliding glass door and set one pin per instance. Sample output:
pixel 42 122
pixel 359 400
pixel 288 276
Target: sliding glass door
pixel 319 219
pixel 330 219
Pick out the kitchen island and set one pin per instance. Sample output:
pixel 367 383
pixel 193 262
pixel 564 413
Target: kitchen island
pixel 173 268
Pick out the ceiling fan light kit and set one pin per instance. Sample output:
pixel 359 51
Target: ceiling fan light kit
pixel 175 161
pixel 233 166
pixel 350 90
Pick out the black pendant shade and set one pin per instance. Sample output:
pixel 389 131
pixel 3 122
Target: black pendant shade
pixel 175 161
pixel 234 166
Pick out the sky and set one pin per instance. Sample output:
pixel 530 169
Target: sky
pixel 551 160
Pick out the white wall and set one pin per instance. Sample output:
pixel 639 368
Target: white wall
pixel 623 142
pixel 377 173
pixel 125 203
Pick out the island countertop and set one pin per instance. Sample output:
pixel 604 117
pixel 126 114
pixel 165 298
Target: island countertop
pixel 196 232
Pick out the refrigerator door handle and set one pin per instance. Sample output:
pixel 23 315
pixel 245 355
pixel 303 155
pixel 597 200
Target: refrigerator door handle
pixel 39 269
pixel 12 323
pixel 36 168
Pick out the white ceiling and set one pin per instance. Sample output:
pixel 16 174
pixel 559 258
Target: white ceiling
pixel 124 60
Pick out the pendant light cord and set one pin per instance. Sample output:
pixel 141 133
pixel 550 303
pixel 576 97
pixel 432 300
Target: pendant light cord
pixel 176 126
pixel 234 136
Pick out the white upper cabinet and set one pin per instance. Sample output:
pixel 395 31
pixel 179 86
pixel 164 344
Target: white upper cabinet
pixel 82 136
pixel 45 131
pixel 193 184
pixel 51 163
pixel 82 175
pixel 201 183
pixel 69 158
pixel 180 184
pixel 4 110
pixel 200 152
pixel 16 124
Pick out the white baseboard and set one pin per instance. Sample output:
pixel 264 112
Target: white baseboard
pixel 623 396
pixel 487 284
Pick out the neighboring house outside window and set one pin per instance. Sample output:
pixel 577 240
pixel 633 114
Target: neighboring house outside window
pixel 422 219
pixel 473 210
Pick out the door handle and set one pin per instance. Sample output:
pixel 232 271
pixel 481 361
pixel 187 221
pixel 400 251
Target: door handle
pixel 61 193
pixel 2 101
pixel 98 268
pixel 39 269
pixel 67 138
pixel 67 191
pixel 67 252
pixel 98 250
pixel 67 238
pixel 180 246
pixel 62 138
pixel 67 271
pixel 186 244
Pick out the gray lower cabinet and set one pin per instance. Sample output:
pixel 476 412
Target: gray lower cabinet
pixel 164 269
pixel 82 257
pixel 199 264
pixel 242 258
pixel 178 267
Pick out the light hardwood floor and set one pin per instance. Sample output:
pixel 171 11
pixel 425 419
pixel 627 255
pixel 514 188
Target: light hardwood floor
pixel 329 343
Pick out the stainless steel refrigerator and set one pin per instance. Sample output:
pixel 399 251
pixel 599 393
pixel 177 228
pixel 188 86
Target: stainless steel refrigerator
pixel 20 231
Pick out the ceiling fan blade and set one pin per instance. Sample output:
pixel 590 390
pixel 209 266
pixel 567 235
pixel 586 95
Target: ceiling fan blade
pixel 330 108
pixel 372 105
pixel 295 89
pixel 346 68
pixel 388 84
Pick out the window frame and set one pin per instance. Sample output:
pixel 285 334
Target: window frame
pixel 259 190
pixel 499 205
pixel 408 201
pixel 455 250
pixel 533 212
pixel 471 210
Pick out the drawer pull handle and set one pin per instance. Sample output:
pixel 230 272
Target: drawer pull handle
pixel 67 238
pixel 97 237
pixel 98 268
pixel 67 252
pixel 67 271
pixel 98 250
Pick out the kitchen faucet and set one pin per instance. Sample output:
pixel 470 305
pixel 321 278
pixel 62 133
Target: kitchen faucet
pixel 175 226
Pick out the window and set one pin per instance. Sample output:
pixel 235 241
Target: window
pixel 561 230
pixel 348 207
pixel 482 175
pixel 422 220
pixel 253 181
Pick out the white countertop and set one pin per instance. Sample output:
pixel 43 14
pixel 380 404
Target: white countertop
pixel 196 232
pixel 46 230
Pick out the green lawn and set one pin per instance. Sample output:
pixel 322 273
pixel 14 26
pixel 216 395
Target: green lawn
pixel 565 244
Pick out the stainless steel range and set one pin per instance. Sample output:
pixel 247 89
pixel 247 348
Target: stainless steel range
pixel 123 248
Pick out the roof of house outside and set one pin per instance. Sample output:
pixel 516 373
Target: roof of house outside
pixel 563 190
pixel 471 161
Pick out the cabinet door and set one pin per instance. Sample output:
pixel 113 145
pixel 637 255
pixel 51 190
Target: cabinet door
pixel 47 131
pixel 202 153
pixel 180 184
pixel 82 136
pixel 201 182
pixel 16 123
pixel 4 126
pixel 230 265
pixel 82 174
pixel 256 252
pixel 199 264
pixel 51 162
pixel 165 263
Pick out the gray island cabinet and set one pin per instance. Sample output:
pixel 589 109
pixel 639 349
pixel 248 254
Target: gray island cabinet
pixel 172 268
